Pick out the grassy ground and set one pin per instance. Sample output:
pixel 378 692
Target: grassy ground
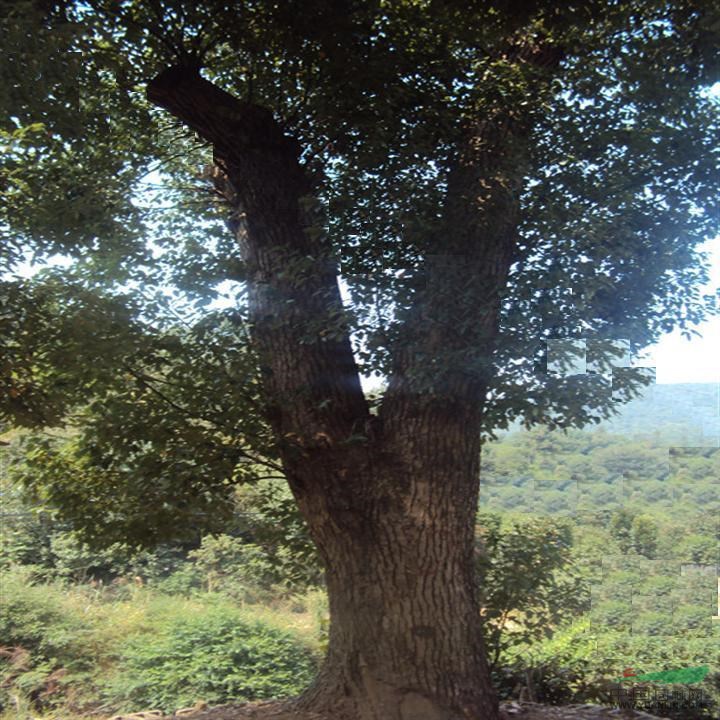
pixel 72 664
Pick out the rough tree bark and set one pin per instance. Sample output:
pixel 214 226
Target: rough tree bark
pixel 393 515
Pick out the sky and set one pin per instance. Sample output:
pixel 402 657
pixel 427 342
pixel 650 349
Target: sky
pixel 677 360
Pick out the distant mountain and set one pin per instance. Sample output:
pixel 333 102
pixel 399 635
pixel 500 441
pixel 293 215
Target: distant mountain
pixel 686 413
pixel 680 414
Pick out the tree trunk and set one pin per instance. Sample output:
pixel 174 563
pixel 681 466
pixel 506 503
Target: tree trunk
pixel 390 500
pixel 396 534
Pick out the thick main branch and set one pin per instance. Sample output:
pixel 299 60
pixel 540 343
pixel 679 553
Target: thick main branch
pixel 443 357
pixel 310 375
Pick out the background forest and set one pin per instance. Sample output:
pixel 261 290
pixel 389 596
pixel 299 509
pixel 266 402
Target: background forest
pixel 597 550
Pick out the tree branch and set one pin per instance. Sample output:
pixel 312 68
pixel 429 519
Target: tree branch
pixel 453 324
pixel 144 379
pixel 309 372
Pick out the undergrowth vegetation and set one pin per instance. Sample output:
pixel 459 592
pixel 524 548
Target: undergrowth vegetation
pixel 569 603
pixel 77 649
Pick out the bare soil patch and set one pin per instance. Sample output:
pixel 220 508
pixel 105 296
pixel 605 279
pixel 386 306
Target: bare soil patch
pixel 279 710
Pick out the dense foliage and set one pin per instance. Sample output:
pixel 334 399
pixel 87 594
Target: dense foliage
pixel 585 472
pixel 121 341
pixel 216 656
pixel 71 649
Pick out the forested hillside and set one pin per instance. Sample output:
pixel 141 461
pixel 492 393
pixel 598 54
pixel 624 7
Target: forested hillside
pixel 596 551
pixel 595 470
pixel 678 414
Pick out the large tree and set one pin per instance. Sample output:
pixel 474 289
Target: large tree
pixel 487 178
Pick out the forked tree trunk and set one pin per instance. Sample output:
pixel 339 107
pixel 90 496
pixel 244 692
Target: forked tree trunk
pixel 393 513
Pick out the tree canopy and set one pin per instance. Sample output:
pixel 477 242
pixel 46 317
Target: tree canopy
pixel 603 186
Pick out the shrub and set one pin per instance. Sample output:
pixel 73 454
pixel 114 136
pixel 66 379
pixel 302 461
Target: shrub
pixel 612 614
pixel 699 549
pixel 45 640
pixel 216 656
pixel 653 623
pixel 184 581
pixel 233 565
pixel 581 661
pixel 527 580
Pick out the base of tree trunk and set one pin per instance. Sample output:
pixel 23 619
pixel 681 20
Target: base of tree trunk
pixel 283 710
